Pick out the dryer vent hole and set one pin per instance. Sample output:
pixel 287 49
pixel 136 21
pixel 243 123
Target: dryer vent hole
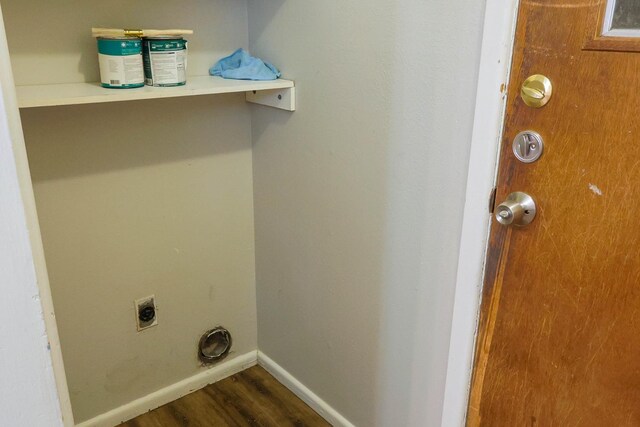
pixel 214 345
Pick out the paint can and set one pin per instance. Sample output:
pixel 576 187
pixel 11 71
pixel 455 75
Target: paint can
pixel 120 61
pixel 165 61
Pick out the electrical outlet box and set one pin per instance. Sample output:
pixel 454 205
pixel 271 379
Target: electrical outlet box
pixel 146 312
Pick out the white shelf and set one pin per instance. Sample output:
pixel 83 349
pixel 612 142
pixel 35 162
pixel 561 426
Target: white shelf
pixel 91 93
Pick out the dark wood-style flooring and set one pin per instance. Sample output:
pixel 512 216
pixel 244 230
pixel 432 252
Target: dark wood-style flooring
pixel 250 398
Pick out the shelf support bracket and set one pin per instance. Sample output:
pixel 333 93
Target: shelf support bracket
pixel 284 99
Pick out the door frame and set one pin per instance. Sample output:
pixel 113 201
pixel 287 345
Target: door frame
pixel 495 64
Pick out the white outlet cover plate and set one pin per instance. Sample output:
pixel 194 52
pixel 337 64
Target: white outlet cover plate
pixel 143 301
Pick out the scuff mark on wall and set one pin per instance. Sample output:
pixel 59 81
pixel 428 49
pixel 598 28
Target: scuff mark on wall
pixel 123 375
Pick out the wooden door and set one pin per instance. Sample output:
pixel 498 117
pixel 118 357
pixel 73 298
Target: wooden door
pixel 559 334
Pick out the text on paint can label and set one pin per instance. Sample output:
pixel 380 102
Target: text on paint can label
pixel 120 62
pixel 165 61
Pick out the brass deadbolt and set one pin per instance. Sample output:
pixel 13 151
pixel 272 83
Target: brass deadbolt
pixel 536 91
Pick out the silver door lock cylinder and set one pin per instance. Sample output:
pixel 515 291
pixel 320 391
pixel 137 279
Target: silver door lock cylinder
pixel 528 146
pixel 519 210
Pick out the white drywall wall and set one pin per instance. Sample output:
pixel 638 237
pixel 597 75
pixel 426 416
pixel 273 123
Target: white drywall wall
pixel 28 394
pixel 138 198
pixel 28 387
pixel 50 42
pixel 359 197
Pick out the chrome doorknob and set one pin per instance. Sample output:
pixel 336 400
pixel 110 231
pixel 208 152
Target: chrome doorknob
pixel 519 209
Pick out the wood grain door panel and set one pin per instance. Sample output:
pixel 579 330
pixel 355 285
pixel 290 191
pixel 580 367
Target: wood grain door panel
pixel 559 334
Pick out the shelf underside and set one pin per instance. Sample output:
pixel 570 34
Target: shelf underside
pixel 91 93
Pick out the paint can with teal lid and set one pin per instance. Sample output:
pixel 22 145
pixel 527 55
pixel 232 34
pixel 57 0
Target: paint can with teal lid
pixel 120 61
pixel 165 61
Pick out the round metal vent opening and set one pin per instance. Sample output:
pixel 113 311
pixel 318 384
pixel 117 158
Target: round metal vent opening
pixel 214 345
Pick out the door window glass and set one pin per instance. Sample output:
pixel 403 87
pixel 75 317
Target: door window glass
pixel 622 18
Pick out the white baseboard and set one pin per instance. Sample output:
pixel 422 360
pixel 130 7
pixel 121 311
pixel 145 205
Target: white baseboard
pixel 202 379
pixel 332 416
pixel 172 392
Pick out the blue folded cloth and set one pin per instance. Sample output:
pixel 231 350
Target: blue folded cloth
pixel 242 66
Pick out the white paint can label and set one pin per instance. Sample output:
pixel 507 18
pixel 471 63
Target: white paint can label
pixel 120 62
pixel 165 61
